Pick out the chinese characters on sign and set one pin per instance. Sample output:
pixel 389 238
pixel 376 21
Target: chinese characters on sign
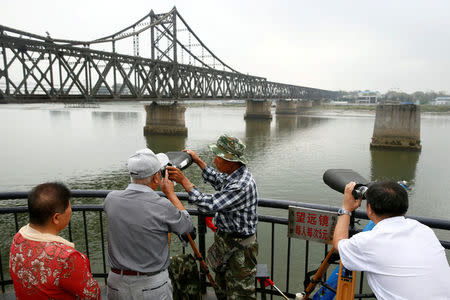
pixel 311 224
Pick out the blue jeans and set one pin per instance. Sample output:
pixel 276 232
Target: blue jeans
pixel 156 287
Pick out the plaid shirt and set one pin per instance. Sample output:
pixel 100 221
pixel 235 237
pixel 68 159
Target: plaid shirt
pixel 235 203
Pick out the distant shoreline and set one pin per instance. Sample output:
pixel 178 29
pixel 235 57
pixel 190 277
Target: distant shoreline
pixel 438 109
pixel 423 108
pixel 442 109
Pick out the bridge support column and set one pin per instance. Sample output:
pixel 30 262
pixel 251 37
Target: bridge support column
pixel 258 109
pixel 397 126
pixel 286 107
pixel 165 119
pixel 303 105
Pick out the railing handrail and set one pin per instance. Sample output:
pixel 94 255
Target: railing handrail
pixel 268 203
pixel 262 202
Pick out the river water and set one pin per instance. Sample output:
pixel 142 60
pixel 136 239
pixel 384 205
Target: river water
pixel 87 149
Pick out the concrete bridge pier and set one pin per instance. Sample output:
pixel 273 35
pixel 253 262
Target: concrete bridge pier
pixel 165 119
pixel 304 105
pixel 258 109
pixel 397 127
pixel 286 107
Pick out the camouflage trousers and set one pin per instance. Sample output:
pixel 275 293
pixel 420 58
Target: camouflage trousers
pixel 183 271
pixel 237 280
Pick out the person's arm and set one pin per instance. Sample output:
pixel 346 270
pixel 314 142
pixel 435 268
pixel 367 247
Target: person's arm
pixel 196 159
pixel 205 202
pixel 215 178
pixel 167 187
pixel 77 279
pixel 178 176
pixel 226 199
pixel 350 204
pixel 177 218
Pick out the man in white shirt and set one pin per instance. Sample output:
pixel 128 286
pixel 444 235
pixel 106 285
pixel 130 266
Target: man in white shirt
pixel 403 259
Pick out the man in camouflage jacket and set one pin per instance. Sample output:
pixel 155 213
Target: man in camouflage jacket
pixel 233 253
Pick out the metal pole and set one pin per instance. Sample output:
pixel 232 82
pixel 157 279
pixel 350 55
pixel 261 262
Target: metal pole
pixel 86 74
pixel 24 74
pixel 152 35
pixel 5 65
pixel 176 91
pixel 52 88
pixel 114 67
pixel 202 247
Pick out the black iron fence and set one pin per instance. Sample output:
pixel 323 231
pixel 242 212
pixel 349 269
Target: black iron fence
pixel 288 261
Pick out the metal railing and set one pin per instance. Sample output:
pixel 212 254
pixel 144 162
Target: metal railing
pixel 88 223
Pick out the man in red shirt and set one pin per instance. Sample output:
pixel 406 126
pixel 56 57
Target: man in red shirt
pixel 42 264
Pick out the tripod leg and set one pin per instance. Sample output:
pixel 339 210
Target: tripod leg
pixel 319 274
pixel 346 284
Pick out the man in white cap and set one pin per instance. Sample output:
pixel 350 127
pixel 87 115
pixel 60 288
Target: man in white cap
pixel 138 223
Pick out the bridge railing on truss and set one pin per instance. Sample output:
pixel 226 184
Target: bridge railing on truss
pixel 288 260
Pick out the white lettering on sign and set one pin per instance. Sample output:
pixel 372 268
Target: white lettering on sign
pixel 311 224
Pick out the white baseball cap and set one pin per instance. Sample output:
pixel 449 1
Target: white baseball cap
pixel 145 163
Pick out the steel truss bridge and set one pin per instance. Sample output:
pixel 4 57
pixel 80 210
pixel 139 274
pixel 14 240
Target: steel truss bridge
pixel 169 61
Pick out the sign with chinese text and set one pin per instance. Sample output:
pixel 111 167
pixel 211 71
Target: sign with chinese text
pixel 311 224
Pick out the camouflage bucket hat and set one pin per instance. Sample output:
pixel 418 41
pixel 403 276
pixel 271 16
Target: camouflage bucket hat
pixel 229 148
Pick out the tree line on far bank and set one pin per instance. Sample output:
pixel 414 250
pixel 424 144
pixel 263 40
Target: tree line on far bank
pixel 397 96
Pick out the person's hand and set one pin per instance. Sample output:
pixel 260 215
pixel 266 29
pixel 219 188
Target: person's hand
pixel 349 202
pixel 196 159
pixel 178 176
pixel 175 174
pixel 167 186
pixel 194 155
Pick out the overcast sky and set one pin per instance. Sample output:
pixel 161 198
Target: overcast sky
pixel 339 45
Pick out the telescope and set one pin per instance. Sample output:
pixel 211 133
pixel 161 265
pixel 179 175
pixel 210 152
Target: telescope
pixel 178 159
pixel 337 179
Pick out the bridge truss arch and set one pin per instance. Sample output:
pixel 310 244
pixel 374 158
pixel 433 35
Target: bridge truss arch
pixel 168 61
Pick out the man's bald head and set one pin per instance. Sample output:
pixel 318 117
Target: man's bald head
pixel 45 200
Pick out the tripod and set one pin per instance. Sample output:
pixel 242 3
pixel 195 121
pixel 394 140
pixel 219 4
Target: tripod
pixel 346 279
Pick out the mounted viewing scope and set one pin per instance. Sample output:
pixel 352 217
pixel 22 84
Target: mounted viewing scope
pixel 337 179
pixel 178 159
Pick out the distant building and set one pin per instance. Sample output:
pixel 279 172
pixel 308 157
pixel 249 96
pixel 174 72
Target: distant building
pixel 367 97
pixel 338 102
pixel 441 101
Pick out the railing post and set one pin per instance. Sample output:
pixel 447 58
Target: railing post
pixel 2 278
pixel 202 248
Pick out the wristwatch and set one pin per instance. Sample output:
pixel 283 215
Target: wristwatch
pixel 343 211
